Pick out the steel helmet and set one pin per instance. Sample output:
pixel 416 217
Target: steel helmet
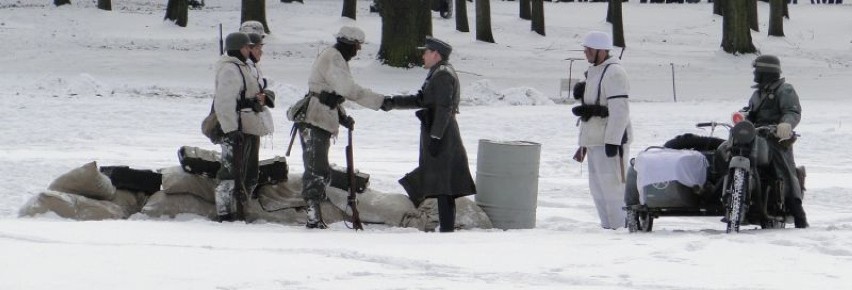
pixel 236 40
pixel 253 26
pixel 350 34
pixel 598 40
pixel 767 63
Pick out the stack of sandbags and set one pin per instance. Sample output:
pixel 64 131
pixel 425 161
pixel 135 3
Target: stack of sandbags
pixel 425 217
pixel 83 193
pixel 183 193
pixel 283 203
pixel 373 206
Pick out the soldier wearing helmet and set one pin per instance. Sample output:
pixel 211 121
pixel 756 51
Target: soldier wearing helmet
pixel 319 116
pixel 605 130
pixel 775 102
pixel 238 103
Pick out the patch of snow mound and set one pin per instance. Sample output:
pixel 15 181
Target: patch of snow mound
pixel 482 93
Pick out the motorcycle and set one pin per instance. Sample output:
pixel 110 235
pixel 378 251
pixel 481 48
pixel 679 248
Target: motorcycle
pixel 740 184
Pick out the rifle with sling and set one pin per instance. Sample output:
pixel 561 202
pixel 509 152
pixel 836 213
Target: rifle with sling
pixel 352 201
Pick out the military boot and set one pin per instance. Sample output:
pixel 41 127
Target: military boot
pixel 315 216
pixel 800 219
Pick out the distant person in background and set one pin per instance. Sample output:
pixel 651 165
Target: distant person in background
pixel 320 114
pixel 605 130
pixel 442 170
pixel 775 102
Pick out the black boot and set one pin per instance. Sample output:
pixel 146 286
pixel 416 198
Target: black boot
pixel 315 216
pixel 446 213
pixel 800 219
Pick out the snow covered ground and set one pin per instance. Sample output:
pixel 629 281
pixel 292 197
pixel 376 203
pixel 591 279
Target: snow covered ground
pixel 124 88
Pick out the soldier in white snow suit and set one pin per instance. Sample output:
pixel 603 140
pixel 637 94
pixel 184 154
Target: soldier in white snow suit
pixel 319 116
pixel 239 105
pixel 605 130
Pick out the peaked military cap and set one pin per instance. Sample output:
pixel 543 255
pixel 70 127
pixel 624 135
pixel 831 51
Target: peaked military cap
pixel 438 45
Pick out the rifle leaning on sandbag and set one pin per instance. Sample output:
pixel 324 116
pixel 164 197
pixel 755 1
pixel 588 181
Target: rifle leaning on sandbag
pixel 352 201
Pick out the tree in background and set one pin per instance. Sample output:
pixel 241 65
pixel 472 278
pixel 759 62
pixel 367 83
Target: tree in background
pixel 719 7
pixel 254 10
pixel 177 11
pixel 349 7
pixel 617 23
pixel 405 25
pixel 61 2
pixel 525 9
pixel 105 5
pixel 461 16
pixel 776 17
pixel 538 16
pixel 483 21
pixel 752 15
pixel 736 36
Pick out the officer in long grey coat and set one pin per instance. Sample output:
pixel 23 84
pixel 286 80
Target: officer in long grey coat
pixel 775 102
pixel 443 170
pixel 319 115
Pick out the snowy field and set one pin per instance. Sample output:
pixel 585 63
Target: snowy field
pixel 123 87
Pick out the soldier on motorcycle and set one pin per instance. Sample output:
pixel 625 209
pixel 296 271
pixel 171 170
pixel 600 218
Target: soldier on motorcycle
pixel 775 102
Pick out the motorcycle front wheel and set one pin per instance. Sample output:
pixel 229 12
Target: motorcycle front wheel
pixel 736 206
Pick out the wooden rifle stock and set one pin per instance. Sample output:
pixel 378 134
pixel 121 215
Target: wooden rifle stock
pixel 350 171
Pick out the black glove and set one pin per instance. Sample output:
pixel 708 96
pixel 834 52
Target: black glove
pixel 579 90
pixel 234 137
pixel 434 146
pixel 387 104
pixel 612 150
pixel 347 122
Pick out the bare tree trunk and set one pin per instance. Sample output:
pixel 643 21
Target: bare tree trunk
pixel 786 10
pixel 405 25
pixel 461 16
pixel 177 11
pixel 349 8
pixel 483 21
pixel 617 23
pixel 538 16
pixel 776 17
pixel 61 2
pixel 719 7
pixel 752 15
pixel 254 10
pixel 609 10
pixel 736 36
pixel 105 5
pixel 525 9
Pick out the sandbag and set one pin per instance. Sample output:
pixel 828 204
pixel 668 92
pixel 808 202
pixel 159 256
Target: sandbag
pixel 272 171
pixel 162 204
pixel 373 206
pixel 130 201
pixel 283 195
pixel 71 206
pixel 425 217
pixel 176 180
pixel 86 181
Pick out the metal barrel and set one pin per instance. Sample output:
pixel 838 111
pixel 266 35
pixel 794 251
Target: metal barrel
pixel 507 182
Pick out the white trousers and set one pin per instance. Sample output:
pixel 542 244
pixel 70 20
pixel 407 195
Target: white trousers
pixel 607 185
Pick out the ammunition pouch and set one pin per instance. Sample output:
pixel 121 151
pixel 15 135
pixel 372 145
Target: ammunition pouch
pixel 586 112
pixel 331 100
pixel 252 104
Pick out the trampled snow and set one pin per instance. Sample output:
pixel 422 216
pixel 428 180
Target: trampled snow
pixel 122 87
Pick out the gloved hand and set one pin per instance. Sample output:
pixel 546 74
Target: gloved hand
pixel 234 137
pixel 578 90
pixel 270 98
pixel 434 146
pixel 347 122
pixel 784 131
pixel 387 104
pixel 612 150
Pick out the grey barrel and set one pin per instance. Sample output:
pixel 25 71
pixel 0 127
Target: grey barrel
pixel 507 182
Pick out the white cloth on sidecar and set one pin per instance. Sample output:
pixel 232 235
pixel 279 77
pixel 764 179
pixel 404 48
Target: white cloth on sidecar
pixel 656 165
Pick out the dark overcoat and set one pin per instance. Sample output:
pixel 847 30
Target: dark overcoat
pixel 447 171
